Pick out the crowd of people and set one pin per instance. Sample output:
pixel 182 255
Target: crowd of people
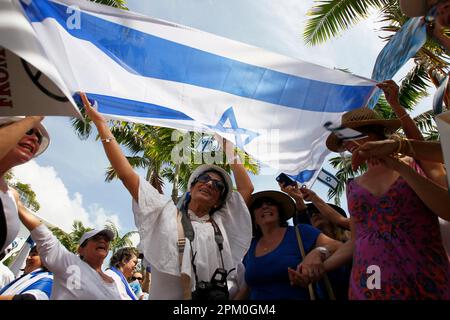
pixel 223 241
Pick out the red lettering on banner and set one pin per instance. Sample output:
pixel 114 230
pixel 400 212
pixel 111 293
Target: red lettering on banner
pixel 5 91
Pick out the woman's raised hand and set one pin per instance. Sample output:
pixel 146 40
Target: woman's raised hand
pixel 93 114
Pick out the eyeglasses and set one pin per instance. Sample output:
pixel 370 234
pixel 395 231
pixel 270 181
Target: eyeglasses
pixel 100 236
pixel 136 278
pixel 217 184
pixel 36 132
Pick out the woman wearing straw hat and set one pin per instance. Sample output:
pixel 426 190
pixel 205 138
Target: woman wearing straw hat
pixel 278 265
pixel 206 236
pixel 393 224
pixel 21 139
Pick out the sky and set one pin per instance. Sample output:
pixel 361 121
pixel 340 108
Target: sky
pixel 69 177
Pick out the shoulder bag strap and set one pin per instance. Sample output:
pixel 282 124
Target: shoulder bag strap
pixel 302 251
pixel 184 278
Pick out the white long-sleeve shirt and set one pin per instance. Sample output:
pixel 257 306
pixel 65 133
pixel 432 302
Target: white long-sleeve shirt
pixel 74 279
pixel 156 220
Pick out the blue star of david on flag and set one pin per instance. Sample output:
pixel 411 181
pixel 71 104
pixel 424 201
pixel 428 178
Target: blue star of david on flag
pixel 234 129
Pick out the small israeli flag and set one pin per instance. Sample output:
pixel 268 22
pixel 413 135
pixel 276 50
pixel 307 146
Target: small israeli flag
pixel 328 178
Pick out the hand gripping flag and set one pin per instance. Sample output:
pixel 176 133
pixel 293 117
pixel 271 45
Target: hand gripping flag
pixel 154 72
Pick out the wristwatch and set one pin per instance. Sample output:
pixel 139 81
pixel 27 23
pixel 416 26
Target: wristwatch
pixel 324 251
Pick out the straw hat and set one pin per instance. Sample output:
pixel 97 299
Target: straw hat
pixel 358 118
pixel 285 202
pixel 414 8
pixel 45 136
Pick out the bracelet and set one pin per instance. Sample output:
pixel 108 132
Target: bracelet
pixel 400 144
pixel 324 251
pixel 404 115
pixel 108 140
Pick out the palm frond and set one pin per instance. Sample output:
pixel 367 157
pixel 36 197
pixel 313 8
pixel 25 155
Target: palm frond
pixel 330 17
pixel 135 162
pixel 121 4
pixel 344 173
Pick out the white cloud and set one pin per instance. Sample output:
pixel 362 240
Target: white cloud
pixel 58 206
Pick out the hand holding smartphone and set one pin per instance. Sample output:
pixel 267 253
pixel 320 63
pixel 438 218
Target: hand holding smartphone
pixel 285 180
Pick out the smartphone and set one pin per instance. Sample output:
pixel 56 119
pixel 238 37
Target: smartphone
pixel 285 180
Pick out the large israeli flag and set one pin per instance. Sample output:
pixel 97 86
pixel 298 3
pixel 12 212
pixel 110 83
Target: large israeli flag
pixel 155 72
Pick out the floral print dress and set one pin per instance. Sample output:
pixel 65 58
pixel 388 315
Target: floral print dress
pixel 400 236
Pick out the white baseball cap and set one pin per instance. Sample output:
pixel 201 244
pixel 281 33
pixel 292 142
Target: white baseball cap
pixel 87 235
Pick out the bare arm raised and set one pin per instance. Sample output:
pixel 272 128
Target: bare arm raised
pixel 112 149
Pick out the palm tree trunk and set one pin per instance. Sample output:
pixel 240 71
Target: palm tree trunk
pixel 176 178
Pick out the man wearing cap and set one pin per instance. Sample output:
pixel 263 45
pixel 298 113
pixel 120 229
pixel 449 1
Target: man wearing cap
pixel 21 139
pixel 207 235
pixel 35 284
pixel 75 277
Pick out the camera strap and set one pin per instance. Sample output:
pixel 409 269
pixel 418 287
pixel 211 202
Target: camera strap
pixel 188 231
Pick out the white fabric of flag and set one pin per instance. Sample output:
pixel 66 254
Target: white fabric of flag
pixel 155 72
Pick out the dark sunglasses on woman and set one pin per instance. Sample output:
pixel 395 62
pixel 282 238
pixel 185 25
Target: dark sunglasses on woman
pixel 36 132
pixel 217 184
pixel 260 202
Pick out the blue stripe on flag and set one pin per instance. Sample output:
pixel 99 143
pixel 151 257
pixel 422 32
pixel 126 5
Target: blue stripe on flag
pixel 303 176
pixel 150 56
pixel 132 108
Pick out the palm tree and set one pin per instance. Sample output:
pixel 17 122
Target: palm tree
pixel 119 241
pixel 26 193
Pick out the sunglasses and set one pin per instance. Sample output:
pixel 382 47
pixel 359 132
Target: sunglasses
pixel 217 184
pixel 36 132
pixel 136 278
pixel 260 202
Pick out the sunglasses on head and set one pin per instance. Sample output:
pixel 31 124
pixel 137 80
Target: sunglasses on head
pixel 36 132
pixel 217 184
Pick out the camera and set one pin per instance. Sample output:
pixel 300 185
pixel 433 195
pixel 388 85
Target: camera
pixel 216 289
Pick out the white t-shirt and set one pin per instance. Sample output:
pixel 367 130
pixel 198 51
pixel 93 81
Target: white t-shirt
pixel 74 279
pixel 6 275
pixel 156 220
pixel 11 218
pixel 120 285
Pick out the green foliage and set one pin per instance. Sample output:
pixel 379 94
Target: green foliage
pixel 330 17
pixel 27 195
pixel 119 241
pixel 343 164
pixel 70 240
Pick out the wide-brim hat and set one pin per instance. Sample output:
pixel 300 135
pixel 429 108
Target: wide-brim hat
pixel 414 8
pixel 285 202
pixel 45 136
pixel 359 118
pixel 87 235
pixel 210 167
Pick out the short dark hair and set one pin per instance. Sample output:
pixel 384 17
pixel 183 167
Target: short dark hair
pixel 122 255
